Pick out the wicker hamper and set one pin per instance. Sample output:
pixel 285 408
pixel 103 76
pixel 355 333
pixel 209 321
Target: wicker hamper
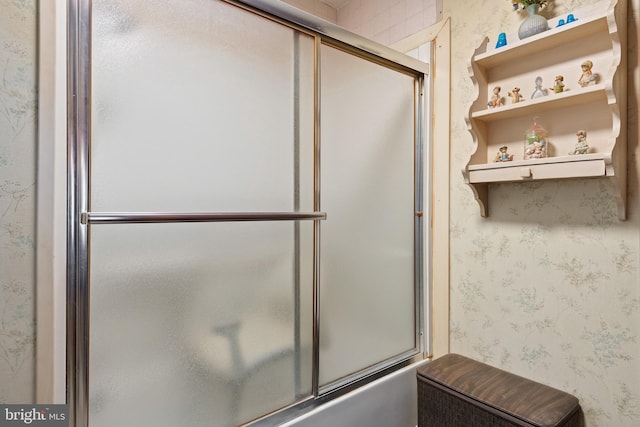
pixel 455 391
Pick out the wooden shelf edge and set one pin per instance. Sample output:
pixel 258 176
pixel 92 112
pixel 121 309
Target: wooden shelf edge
pixel 540 42
pixel 481 196
pixel 598 19
pixel 551 101
pixel 605 157
pixel 540 172
pixel 597 165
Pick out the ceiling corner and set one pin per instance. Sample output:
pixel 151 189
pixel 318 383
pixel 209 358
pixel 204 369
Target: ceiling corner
pixel 336 4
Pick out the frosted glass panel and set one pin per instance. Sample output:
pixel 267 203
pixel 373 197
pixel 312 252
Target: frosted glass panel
pixel 367 302
pixel 193 324
pixel 193 108
pixel 199 106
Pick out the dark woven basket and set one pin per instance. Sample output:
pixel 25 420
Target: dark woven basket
pixel 459 392
pixel 446 410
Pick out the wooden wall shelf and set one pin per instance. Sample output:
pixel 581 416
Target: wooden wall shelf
pixel 599 35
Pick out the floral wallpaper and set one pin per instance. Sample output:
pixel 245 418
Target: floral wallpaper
pixel 548 286
pixel 18 116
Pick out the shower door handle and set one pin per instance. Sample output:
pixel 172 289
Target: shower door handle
pixel 165 217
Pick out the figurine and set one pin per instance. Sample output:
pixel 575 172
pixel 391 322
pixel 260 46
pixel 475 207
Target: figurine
pixel 536 149
pixel 558 85
pixel 588 78
pixel 496 99
pixel 560 23
pixel 571 18
pixel 515 95
pixel 535 143
pixel 581 146
pixel 539 91
pixel 503 156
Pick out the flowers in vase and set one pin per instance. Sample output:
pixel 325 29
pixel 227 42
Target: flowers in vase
pixel 522 4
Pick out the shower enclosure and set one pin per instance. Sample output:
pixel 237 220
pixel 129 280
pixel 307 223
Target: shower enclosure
pixel 246 212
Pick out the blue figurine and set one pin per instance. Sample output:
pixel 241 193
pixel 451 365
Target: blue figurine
pixel 503 156
pixel 570 19
pixel 502 40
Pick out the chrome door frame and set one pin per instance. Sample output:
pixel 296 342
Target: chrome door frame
pixel 79 217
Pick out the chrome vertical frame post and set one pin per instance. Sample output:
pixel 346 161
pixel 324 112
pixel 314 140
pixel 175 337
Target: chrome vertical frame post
pixel 421 212
pixel 315 373
pixel 297 299
pixel 78 131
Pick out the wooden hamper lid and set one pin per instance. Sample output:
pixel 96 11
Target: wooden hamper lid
pixel 535 403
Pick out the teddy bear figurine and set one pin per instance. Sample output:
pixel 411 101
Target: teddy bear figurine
pixel 515 95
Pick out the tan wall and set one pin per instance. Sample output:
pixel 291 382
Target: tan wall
pixel 315 7
pixel 384 21
pixel 18 112
pixel 388 21
pixel 549 285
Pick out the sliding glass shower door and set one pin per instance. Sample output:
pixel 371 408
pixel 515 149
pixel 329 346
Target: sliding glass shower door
pixel 245 214
pixel 367 298
pixel 199 107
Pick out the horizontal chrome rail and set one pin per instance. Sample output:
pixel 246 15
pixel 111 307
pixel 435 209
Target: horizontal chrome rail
pixel 148 217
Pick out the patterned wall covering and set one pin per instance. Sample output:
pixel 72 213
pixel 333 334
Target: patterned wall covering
pixel 548 286
pixel 18 113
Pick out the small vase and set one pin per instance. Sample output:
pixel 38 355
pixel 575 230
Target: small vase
pixel 533 23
